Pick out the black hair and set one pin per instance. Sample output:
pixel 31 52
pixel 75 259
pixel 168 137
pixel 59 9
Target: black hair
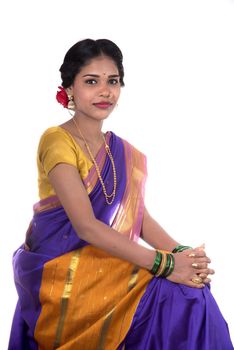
pixel 85 50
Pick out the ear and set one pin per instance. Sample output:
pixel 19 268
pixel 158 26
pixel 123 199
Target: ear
pixel 69 90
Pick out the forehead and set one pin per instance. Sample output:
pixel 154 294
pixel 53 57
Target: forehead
pixel 101 65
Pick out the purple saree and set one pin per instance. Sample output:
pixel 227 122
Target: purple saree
pixel 73 296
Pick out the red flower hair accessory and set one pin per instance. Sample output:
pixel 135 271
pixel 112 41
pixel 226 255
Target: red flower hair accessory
pixel 62 97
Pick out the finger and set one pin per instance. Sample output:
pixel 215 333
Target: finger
pixel 196 253
pixel 195 285
pixel 199 266
pixel 206 280
pixel 207 271
pixel 198 259
pixel 200 248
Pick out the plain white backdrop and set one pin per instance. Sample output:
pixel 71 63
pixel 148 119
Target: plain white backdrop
pixel 177 107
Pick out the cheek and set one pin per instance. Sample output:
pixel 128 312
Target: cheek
pixel 81 96
pixel 117 94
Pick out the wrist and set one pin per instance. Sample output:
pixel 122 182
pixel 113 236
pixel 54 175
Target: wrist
pixel 180 248
pixel 163 264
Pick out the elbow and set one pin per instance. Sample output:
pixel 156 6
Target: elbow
pixel 85 229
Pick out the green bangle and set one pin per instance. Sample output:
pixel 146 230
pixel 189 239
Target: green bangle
pixel 180 248
pixel 157 262
pixel 168 263
pixel 171 266
pixel 162 266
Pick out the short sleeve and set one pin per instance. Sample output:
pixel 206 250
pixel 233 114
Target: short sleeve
pixel 56 147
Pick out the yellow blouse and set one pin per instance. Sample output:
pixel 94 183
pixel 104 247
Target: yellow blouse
pixel 58 146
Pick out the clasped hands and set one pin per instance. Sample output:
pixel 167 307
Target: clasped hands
pixel 192 268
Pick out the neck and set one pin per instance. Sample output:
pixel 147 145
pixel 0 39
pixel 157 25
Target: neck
pixel 91 129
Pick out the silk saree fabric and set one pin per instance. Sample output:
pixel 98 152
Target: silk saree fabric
pixel 73 296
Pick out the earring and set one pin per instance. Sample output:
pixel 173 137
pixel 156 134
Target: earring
pixel 71 103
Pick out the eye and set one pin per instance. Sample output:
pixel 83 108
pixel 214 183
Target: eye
pixel 91 81
pixel 113 81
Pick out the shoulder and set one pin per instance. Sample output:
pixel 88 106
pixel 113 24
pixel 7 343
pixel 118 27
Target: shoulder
pixel 56 141
pixel 56 134
pixel 55 131
pixel 56 146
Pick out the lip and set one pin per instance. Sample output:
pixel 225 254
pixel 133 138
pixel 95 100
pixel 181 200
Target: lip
pixel 103 105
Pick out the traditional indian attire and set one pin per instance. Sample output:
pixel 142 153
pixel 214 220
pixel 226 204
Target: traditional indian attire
pixel 73 296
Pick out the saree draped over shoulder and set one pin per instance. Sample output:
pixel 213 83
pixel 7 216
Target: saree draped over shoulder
pixel 73 296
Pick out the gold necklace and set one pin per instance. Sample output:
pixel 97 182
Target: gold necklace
pixel 109 197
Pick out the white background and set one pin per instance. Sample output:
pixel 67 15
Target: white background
pixel 177 107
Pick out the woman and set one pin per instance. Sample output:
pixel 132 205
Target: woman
pixel 83 280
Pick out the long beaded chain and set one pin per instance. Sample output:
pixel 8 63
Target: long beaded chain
pixel 109 197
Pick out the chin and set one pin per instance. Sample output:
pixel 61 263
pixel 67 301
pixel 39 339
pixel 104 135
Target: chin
pixel 102 116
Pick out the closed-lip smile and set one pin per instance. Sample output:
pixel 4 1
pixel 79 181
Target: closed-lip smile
pixel 103 104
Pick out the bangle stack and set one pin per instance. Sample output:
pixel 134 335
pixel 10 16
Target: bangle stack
pixel 163 264
pixel 180 248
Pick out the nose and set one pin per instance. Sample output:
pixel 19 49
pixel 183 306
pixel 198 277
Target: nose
pixel 105 91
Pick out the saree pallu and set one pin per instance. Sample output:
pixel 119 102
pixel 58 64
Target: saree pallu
pixel 73 296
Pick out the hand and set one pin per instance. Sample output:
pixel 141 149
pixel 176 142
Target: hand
pixel 191 268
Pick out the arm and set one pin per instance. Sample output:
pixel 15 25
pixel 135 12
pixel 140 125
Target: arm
pixel 70 190
pixel 155 235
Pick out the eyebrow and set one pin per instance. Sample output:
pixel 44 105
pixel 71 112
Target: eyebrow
pixel 98 76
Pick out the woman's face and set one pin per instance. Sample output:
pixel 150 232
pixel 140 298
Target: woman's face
pixel 96 88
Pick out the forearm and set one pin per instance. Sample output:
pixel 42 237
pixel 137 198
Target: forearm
pixel 155 235
pixel 70 190
pixel 104 237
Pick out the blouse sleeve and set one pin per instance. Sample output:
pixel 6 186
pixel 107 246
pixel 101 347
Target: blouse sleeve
pixel 56 147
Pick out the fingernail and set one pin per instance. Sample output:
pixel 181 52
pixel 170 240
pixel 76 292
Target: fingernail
pixel 194 265
pixel 192 255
